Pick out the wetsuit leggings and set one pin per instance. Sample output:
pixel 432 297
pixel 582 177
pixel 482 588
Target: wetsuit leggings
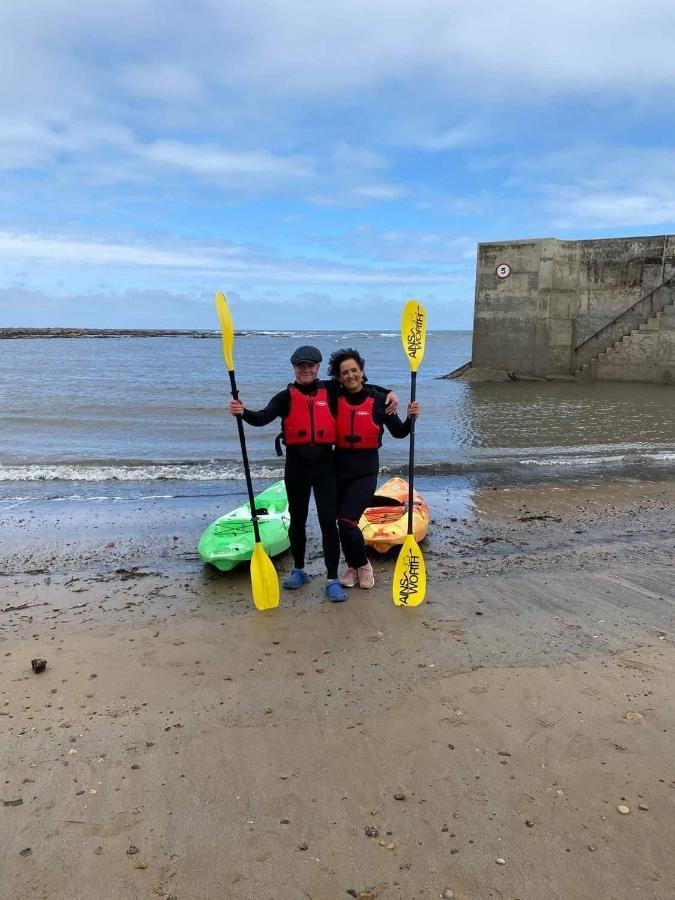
pixel 302 477
pixel 354 495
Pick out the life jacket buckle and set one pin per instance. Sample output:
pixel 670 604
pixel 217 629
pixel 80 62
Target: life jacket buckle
pixel 277 443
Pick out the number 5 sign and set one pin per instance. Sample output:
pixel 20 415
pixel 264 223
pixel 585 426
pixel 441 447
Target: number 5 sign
pixel 503 270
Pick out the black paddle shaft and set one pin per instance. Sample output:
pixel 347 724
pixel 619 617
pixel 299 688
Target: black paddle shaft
pixel 247 468
pixel 411 457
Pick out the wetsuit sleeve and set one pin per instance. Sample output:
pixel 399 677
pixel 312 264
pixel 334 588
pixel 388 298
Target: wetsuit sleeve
pixel 275 409
pixel 332 389
pixel 396 427
pixel 392 423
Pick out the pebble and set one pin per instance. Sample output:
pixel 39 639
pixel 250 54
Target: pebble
pixel 529 823
pixel 27 851
pixel 643 806
pixel 592 847
pixel 500 861
pixel 447 894
pixel 371 831
pixel 624 810
pixel 399 797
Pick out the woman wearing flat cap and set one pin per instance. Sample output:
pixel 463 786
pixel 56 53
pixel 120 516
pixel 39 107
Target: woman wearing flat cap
pixel 307 409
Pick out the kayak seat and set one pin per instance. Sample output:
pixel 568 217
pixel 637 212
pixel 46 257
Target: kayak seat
pixel 383 500
pixel 232 527
pixel 382 515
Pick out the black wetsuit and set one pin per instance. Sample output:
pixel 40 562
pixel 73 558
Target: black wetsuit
pixel 357 472
pixel 308 468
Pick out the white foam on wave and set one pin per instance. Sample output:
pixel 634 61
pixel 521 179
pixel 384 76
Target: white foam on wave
pixel 145 472
pixel 637 456
pixel 572 460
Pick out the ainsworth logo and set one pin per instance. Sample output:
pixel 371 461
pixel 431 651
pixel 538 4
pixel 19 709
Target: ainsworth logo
pixel 409 581
pixel 415 334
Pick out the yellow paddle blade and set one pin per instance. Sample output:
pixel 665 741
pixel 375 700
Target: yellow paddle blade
pixel 227 328
pixel 410 575
pixel 414 332
pixel 264 580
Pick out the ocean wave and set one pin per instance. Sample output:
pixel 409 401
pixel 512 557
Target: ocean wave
pixel 578 460
pixel 134 472
pixel 500 464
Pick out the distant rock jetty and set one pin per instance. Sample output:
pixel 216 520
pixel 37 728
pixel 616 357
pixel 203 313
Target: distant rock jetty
pixel 21 333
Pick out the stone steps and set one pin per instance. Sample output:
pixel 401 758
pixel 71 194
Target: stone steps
pixel 647 353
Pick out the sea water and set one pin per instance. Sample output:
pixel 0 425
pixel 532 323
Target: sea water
pixel 121 418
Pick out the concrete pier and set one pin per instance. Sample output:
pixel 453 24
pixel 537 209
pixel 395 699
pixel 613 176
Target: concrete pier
pixel 599 309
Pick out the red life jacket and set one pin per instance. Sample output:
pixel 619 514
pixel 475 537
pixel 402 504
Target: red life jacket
pixel 309 419
pixel 356 427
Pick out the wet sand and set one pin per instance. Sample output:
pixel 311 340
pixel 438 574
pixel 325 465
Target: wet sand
pixel 181 744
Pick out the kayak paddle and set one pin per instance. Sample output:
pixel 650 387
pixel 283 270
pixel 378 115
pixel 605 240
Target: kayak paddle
pixel 264 581
pixel 410 576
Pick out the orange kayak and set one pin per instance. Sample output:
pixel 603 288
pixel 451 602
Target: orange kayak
pixel 385 524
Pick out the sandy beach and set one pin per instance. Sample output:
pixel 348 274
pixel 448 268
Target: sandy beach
pixel 181 744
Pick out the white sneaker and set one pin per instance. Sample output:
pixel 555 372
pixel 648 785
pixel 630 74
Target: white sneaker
pixel 365 576
pixel 350 578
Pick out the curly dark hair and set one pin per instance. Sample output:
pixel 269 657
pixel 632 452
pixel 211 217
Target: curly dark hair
pixel 337 358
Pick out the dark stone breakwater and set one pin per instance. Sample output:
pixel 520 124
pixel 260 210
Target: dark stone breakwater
pixel 24 333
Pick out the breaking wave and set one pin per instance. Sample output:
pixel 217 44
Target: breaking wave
pixel 145 471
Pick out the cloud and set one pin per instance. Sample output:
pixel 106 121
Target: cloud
pixel 350 157
pixel 412 247
pixel 379 191
pixel 110 307
pixel 65 251
pixel 161 81
pixel 359 195
pixel 454 138
pixel 601 187
pixel 223 260
pixel 236 58
pixel 212 162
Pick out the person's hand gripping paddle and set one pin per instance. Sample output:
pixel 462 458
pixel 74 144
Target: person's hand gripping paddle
pixel 410 576
pixel 264 581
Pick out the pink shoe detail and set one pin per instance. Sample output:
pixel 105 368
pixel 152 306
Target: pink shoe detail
pixel 366 577
pixel 350 578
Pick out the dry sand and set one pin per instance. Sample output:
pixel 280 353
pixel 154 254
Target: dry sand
pixel 180 744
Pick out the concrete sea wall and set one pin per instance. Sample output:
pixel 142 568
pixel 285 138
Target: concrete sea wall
pixel 551 308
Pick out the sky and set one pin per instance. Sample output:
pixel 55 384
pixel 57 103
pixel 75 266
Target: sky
pixel 318 162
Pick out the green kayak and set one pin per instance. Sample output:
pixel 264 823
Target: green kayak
pixel 228 541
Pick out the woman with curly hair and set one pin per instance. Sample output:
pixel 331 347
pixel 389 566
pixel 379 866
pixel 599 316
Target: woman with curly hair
pixel 360 422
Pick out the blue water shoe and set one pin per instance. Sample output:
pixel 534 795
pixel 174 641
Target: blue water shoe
pixel 295 580
pixel 334 591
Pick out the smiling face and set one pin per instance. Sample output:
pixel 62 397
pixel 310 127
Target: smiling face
pixel 351 375
pixel 306 372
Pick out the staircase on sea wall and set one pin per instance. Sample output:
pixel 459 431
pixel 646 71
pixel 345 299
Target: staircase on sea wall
pixel 638 345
